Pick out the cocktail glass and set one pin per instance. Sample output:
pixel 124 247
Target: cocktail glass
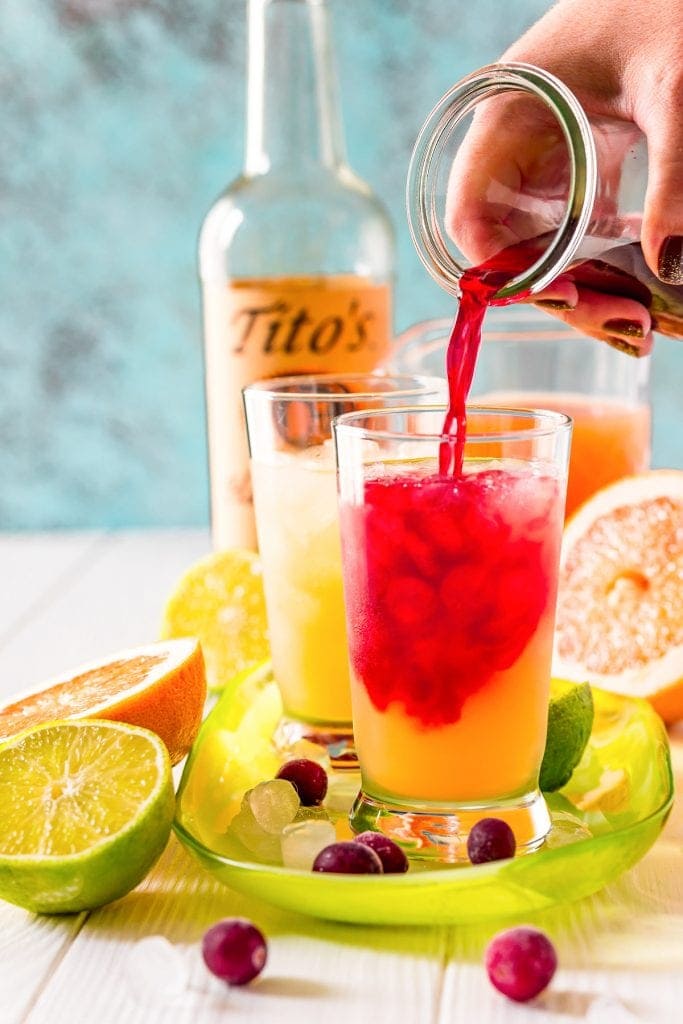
pixel 289 423
pixel 529 360
pixel 450 586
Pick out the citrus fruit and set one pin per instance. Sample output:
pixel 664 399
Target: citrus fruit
pixel 161 687
pixel 620 605
pixel 232 753
pixel 87 808
pixel 220 600
pixel 570 720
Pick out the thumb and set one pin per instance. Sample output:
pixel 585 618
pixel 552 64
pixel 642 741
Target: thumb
pixel 662 231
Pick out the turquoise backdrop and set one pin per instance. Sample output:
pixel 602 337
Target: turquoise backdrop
pixel 120 122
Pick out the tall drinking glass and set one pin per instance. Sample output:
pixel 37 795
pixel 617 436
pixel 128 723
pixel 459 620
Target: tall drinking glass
pixel 450 586
pixel 289 423
pixel 529 360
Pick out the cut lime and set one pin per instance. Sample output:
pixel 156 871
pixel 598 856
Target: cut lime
pixel 87 808
pixel 220 601
pixel 570 720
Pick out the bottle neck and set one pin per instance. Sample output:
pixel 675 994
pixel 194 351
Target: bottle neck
pixel 293 115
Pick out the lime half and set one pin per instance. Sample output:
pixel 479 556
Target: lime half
pixel 87 808
pixel 570 721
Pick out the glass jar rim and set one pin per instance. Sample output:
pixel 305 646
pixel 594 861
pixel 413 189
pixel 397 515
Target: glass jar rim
pixel 550 423
pixel 276 388
pixel 458 102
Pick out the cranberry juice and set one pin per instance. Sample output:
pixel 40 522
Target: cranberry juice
pixel 450 584
pixel 450 591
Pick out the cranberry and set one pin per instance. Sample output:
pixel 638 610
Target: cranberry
pixel 234 950
pixel 490 839
pixel 520 963
pixel 308 778
pixel 348 858
pixel 394 860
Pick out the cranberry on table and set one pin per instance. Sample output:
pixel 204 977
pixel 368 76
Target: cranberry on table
pixel 520 963
pixel 394 860
pixel 348 858
pixel 490 839
pixel 234 950
pixel 308 778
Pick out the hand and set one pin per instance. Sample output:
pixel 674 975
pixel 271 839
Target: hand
pixel 619 67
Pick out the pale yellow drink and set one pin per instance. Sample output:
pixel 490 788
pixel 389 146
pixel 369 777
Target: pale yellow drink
pixel 295 498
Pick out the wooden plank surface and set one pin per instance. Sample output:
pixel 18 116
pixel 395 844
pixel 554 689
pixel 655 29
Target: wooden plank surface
pixel 92 594
pixel 110 596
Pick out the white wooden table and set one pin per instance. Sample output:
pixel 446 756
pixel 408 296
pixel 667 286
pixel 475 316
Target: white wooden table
pixel 67 598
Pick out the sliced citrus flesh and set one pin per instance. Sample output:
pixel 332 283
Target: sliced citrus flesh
pixel 233 752
pixel 161 687
pixel 620 605
pixel 87 808
pixel 220 600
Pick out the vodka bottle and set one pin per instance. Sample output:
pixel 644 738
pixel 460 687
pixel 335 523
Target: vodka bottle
pixel 296 256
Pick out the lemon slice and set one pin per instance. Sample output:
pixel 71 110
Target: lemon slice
pixel 233 752
pixel 220 600
pixel 87 808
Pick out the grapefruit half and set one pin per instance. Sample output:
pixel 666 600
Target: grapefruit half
pixel 161 687
pixel 620 604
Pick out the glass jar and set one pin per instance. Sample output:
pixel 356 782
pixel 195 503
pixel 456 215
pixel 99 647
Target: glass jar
pixel 559 193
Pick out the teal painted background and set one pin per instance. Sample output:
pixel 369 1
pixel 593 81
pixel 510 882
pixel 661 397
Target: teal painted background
pixel 120 121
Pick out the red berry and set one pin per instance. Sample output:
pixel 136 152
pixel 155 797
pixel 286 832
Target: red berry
pixel 308 778
pixel 234 950
pixel 394 860
pixel 490 839
pixel 348 858
pixel 520 963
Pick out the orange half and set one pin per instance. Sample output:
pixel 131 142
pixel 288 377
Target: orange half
pixel 161 687
pixel 620 605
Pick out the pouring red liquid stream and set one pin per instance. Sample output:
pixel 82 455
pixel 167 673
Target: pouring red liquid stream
pixel 477 288
pixel 620 271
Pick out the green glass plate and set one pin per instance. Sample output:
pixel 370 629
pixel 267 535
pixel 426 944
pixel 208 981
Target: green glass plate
pixel 604 821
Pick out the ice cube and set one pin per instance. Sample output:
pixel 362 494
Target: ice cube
pixel 311 751
pixel 154 969
pixel 342 790
pixel 273 804
pixel 303 841
pixel 607 1010
pixel 245 828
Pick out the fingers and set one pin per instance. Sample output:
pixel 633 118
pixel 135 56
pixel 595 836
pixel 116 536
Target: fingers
pixel 560 296
pixel 622 323
pixel 662 232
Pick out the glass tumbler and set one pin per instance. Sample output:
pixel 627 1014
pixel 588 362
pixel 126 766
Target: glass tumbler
pixel 289 425
pixel 528 359
pixel 450 585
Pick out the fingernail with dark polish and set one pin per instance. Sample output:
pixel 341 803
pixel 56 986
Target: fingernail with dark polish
pixel 629 328
pixel 555 304
pixel 670 262
pixel 624 346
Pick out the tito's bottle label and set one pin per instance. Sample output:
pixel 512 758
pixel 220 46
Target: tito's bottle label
pixel 254 329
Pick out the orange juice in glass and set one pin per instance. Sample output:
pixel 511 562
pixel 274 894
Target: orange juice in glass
pixel 530 360
pixel 610 438
pixel 289 424
pixel 450 585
